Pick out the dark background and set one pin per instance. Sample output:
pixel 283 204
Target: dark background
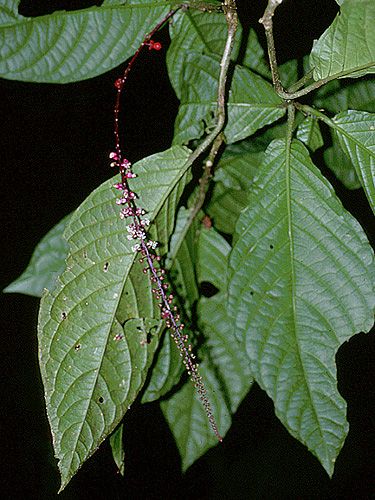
pixel 55 145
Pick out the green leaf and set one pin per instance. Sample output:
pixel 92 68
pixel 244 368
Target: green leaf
pixel 358 95
pixel 356 133
pixel 341 165
pixel 167 371
pixel 233 179
pixel 182 258
pixel 309 133
pixel 301 283
pixel 232 368
pixel 187 418
pixel 180 263
pixel 100 327
pixel 46 264
pixel 9 12
pixel 252 102
pixel 224 369
pixel 289 71
pixel 213 253
pixel 69 46
pixel 347 47
pixel 204 33
pixel 117 448
pixel 229 360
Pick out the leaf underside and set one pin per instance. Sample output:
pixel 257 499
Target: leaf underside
pixel 301 284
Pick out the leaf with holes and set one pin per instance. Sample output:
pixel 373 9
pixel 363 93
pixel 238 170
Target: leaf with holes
pixel 356 133
pixel 224 369
pixel 301 283
pixel 252 102
pixel 229 360
pixel 347 47
pixel 98 330
pixel 46 264
pixel 69 46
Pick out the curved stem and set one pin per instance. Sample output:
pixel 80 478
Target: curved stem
pixel 230 12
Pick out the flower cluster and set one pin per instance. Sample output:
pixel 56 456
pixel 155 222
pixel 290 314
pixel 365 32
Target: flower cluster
pixel 137 231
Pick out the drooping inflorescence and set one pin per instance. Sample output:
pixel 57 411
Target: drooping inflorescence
pixel 137 232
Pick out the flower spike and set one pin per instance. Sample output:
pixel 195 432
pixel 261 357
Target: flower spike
pixel 137 232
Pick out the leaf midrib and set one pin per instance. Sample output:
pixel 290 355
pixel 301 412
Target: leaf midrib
pixel 293 282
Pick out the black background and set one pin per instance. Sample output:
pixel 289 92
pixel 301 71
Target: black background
pixel 54 152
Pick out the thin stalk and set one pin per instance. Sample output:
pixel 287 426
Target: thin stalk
pixel 138 227
pixel 230 12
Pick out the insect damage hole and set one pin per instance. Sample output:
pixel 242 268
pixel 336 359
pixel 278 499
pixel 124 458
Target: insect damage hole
pixel 106 266
pixel 101 400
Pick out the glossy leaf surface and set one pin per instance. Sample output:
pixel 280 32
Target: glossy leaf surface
pixel 301 283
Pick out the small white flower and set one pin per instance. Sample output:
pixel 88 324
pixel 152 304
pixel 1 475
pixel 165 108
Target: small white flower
pixel 136 247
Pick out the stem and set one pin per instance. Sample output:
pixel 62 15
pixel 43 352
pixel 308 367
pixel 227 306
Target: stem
pixel 290 123
pixel 266 20
pixel 300 83
pixel 202 6
pixel 230 12
pixel 205 179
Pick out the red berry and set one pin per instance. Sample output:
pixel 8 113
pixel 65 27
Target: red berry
pixel 153 45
